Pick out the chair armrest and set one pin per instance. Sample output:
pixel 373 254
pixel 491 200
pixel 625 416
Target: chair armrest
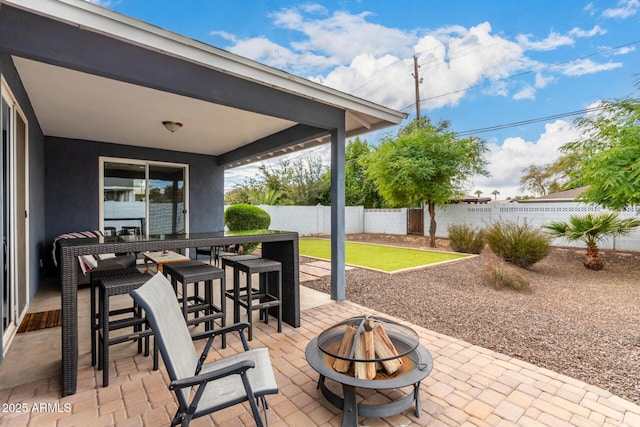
pixel 239 327
pixel 237 368
pixel 210 335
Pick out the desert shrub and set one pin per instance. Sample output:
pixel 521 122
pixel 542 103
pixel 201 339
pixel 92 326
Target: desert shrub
pixel 500 275
pixel 465 238
pixel 520 244
pixel 246 217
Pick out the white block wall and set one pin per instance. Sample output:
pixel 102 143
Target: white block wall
pixel 309 220
pixel 386 221
pixel 537 214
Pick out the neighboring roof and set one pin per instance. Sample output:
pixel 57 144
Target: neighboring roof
pixel 118 100
pixel 572 195
pixel 468 198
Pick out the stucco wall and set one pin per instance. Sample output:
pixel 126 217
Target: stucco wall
pixel 72 174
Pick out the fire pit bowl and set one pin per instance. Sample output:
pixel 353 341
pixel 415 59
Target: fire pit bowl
pixel 373 353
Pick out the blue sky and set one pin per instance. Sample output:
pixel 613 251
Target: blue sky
pixel 483 63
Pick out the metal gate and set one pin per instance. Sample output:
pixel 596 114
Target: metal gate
pixel 415 221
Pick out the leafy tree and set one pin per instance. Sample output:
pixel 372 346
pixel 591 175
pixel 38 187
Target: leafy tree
pixel 264 196
pixel 607 157
pixel 425 163
pixel 302 181
pixel 241 192
pixel 536 179
pixel 297 182
pixel 360 190
pixel 592 229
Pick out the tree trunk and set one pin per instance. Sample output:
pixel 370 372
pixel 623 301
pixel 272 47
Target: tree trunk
pixel 593 260
pixel 432 224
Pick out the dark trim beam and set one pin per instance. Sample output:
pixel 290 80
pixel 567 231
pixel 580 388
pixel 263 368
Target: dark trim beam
pixel 338 214
pixel 294 135
pixel 42 39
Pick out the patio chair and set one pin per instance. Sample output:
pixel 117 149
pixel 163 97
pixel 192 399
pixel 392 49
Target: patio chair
pixel 202 388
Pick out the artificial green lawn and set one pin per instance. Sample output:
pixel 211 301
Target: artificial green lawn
pixel 385 258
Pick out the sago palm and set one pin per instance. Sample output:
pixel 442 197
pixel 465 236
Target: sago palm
pixel 592 229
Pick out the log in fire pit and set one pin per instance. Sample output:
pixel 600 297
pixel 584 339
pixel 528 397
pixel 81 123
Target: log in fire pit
pixel 373 353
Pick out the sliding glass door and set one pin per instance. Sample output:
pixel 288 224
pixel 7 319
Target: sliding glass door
pixel 14 230
pixel 142 197
pixel 166 200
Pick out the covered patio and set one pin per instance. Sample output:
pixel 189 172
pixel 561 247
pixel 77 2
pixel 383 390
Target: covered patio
pixel 84 88
pixel 85 84
pixel 469 385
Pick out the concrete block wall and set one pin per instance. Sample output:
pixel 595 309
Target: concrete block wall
pixel 310 220
pixel 385 221
pixel 537 214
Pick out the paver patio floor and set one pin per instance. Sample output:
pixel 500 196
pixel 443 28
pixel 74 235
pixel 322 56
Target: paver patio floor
pixel 469 386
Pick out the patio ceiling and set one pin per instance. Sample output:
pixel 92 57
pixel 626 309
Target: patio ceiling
pixel 93 74
pixel 84 106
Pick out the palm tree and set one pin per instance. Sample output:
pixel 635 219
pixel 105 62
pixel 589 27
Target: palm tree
pixel 264 196
pixel 478 193
pixel 495 194
pixel 592 229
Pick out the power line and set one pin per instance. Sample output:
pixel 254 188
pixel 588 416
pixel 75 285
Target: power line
pixel 528 121
pixel 546 67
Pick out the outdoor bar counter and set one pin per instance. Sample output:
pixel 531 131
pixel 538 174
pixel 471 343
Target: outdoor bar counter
pixel 277 245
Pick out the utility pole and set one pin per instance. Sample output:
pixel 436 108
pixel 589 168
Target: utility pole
pixel 418 80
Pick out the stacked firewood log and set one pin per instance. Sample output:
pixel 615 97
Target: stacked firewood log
pixel 373 343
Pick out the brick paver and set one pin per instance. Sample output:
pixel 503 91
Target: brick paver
pixel 469 386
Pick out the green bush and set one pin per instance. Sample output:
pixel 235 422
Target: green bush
pixel 465 238
pixel 246 217
pixel 501 275
pixel 520 244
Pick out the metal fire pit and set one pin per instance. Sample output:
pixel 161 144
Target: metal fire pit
pixel 322 351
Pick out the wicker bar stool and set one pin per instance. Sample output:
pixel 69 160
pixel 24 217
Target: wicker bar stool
pixel 195 303
pixel 95 277
pixel 168 268
pixel 263 298
pixel 120 285
pixel 230 261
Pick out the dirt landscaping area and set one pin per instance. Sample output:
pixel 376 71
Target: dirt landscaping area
pixel 574 321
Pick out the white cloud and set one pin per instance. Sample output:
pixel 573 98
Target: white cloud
pixel 264 50
pixel 624 50
pixel 506 161
pixel 595 31
pixel 350 53
pixel 342 35
pixel 589 8
pixel 587 66
pixel 225 35
pixel 625 9
pixel 543 81
pixel 527 92
pixel 451 61
pixel 553 41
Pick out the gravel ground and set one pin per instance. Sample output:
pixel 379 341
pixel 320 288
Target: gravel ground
pixel 574 321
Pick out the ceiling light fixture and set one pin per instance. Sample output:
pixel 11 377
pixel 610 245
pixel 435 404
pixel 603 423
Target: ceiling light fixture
pixel 172 126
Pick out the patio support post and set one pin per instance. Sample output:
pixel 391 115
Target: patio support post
pixel 337 214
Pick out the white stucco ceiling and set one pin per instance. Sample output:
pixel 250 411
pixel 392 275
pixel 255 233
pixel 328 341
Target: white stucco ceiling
pixel 77 105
